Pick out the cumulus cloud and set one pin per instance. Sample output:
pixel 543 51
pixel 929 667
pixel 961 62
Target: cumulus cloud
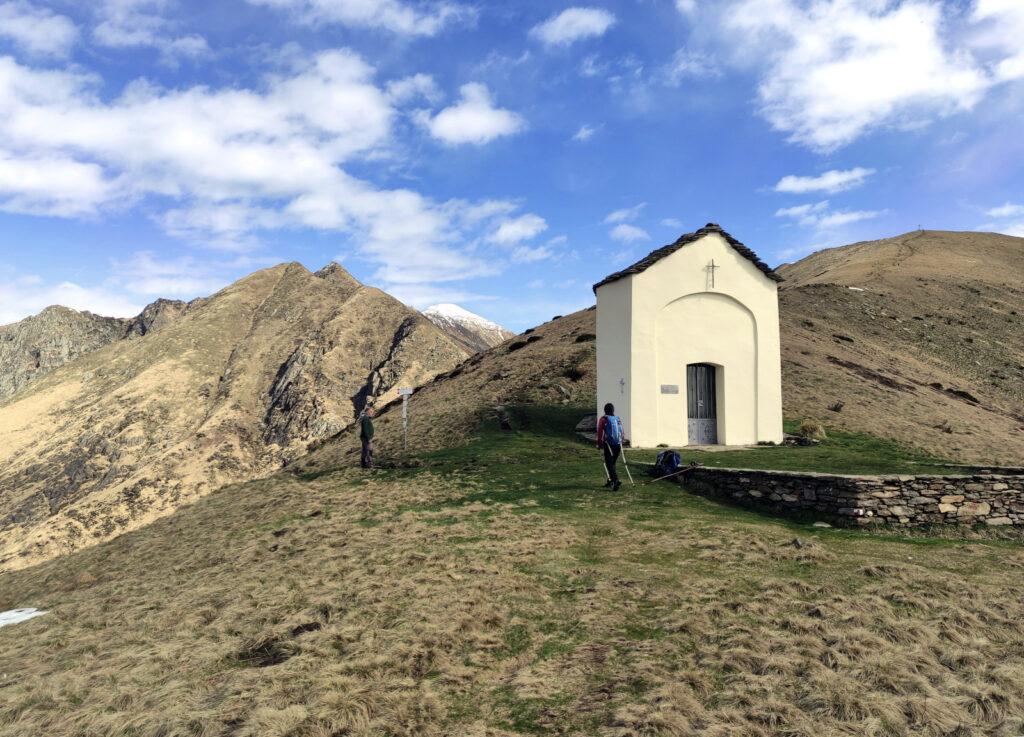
pixel 517 230
pixel 1000 28
pixel 629 233
pixel 836 69
pixel 626 214
pixel 36 30
pixel 235 163
pixel 526 254
pixel 820 215
pixel 1011 216
pixel 573 24
pixel 415 19
pixel 24 295
pixel 417 86
pixel 690 64
pixel 831 181
pixel 1008 210
pixel 142 23
pixel 473 119
pixel 585 133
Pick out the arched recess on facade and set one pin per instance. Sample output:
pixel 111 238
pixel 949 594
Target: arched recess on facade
pixel 716 329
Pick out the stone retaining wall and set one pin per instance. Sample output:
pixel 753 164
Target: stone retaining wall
pixel 993 499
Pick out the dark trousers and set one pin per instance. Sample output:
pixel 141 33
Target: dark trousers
pixel 611 457
pixel 366 457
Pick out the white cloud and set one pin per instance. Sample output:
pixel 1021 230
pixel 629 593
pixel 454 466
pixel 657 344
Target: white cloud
pixel 626 214
pixel 802 211
pixel 421 296
pixel 227 164
pixel 474 119
pixel 836 69
pixel 416 86
pixel 50 184
pixel 1009 210
pixel 573 24
pixel 672 223
pixel 1012 216
pixel 820 216
pixel 686 7
pixel 831 181
pixel 519 229
pixel 36 30
pixel 629 233
pixel 1000 28
pixel 689 64
pixel 837 219
pixel 141 23
pixel 146 274
pixel 585 133
pixel 21 296
pixel 416 19
pixel 526 254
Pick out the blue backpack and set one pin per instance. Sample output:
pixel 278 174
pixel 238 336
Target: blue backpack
pixel 613 430
pixel 668 463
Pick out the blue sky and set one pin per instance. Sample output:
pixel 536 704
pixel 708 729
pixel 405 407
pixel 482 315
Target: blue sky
pixel 503 156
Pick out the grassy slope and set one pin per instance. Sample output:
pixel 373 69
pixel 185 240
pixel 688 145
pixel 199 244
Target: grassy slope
pixel 495 591
pixel 927 347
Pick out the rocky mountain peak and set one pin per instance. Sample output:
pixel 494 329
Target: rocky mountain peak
pixel 473 332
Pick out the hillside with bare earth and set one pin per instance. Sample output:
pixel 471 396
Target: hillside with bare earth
pixel 930 353
pixel 232 389
pixel 919 338
pixel 33 347
pixel 555 363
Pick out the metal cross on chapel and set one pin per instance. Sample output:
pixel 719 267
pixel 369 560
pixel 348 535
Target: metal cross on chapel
pixel 710 268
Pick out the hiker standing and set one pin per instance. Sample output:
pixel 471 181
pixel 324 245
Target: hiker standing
pixel 609 439
pixel 366 436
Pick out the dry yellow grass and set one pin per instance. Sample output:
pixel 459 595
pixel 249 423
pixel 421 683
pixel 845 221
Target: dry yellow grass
pixel 230 391
pixel 510 601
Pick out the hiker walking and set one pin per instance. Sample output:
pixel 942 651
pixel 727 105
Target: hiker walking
pixel 366 436
pixel 609 440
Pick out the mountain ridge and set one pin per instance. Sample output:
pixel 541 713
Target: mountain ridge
pixel 233 389
pixel 473 332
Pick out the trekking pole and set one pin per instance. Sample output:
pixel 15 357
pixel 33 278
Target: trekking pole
pixel 626 464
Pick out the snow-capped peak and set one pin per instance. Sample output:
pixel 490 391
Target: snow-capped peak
pixel 459 314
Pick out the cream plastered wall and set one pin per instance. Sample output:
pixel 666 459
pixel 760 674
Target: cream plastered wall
pixel 675 317
pixel 614 311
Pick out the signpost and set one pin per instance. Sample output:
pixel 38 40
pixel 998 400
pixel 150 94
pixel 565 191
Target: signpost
pixel 405 393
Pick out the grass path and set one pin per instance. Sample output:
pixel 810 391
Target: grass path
pixel 496 591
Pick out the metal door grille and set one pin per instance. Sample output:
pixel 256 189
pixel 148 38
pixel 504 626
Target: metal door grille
pixel 701 404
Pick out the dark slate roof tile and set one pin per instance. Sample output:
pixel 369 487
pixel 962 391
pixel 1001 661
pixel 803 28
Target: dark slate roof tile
pixel 654 256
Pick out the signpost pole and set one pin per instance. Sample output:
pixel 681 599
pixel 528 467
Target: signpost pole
pixel 405 394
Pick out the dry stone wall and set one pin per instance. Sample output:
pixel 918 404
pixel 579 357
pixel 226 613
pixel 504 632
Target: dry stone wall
pixel 992 499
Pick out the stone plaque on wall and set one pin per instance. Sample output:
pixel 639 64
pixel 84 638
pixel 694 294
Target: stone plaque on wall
pixel 669 388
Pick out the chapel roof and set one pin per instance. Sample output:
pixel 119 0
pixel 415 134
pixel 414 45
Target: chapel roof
pixel 657 255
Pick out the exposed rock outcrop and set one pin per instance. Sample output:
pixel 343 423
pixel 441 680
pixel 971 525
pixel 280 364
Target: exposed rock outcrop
pixel 226 389
pixel 31 348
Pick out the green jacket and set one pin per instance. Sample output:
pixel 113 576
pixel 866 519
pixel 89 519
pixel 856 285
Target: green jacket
pixel 365 428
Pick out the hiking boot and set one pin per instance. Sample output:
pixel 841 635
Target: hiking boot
pixel 616 485
pixel 607 483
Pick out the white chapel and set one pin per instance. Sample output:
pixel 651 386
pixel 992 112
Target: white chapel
pixel 688 344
